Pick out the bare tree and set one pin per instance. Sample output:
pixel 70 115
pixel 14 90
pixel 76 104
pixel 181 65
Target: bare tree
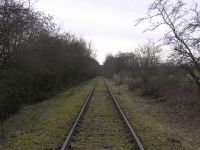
pixel 147 60
pixel 183 35
pixel 18 24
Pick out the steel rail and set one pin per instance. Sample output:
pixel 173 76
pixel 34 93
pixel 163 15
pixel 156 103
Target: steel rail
pixel 127 123
pixel 66 143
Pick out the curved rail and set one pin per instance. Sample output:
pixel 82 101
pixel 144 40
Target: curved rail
pixel 127 123
pixel 83 109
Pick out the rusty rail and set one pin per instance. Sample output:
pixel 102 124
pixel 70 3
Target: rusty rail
pixel 66 143
pixel 138 145
pixel 134 136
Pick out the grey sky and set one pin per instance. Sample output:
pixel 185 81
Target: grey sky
pixel 109 24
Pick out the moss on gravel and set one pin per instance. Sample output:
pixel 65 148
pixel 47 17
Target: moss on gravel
pixel 154 134
pixel 101 127
pixel 44 125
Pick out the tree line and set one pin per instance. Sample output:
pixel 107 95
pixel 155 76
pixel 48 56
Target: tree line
pixel 138 68
pixel 36 59
pixel 144 67
pixel 183 33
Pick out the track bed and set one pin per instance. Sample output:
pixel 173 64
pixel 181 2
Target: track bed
pixel 101 127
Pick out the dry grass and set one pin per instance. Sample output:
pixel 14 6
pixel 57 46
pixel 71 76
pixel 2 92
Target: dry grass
pixel 149 119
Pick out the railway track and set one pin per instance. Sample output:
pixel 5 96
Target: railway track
pixel 101 124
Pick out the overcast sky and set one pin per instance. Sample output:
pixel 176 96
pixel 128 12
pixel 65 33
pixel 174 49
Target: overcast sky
pixel 109 24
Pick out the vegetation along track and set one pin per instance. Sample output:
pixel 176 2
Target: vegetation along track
pixel 101 124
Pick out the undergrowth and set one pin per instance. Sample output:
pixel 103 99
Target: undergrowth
pixel 44 125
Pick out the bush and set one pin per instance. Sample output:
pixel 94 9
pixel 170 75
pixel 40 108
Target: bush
pixel 40 61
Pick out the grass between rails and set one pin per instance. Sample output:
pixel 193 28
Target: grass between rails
pixel 44 125
pixel 155 134
pixel 102 127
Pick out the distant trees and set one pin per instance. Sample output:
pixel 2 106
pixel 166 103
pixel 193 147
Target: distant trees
pixel 140 65
pixel 183 34
pixel 35 59
pixel 109 66
pixel 144 71
pixel 119 64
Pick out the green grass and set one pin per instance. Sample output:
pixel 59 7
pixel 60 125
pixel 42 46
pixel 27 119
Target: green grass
pixel 185 130
pixel 44 125
pixel 154 134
